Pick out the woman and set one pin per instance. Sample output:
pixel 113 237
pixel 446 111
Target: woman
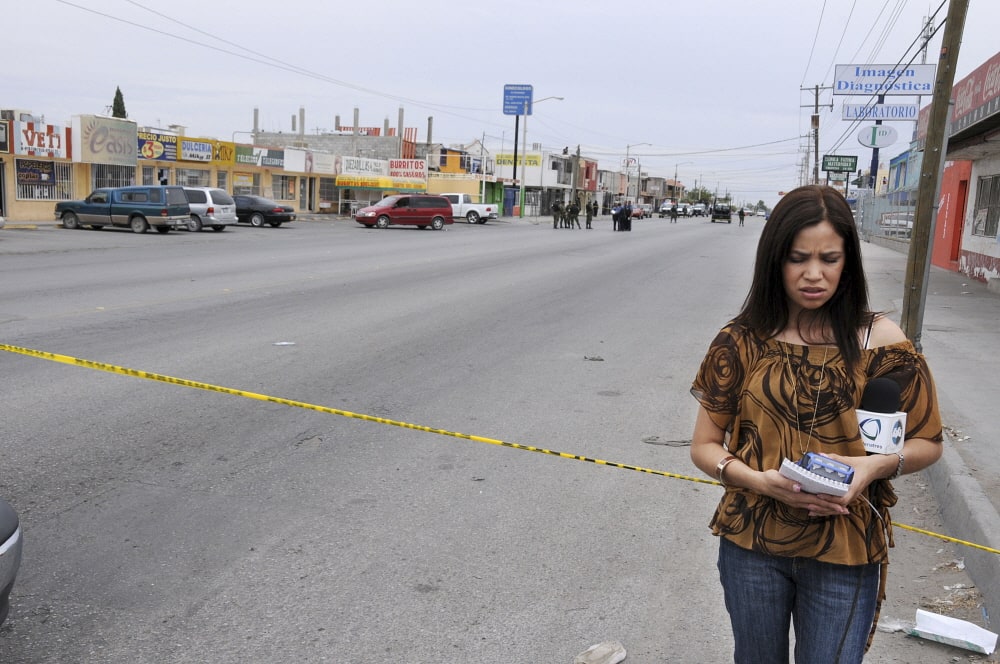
pixel 785 378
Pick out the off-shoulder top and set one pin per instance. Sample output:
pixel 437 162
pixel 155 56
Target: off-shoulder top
pixel 778 400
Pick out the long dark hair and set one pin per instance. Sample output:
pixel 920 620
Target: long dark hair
pixel 765 310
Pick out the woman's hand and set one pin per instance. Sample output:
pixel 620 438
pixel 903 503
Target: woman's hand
pixel 867 469
pixel 775 485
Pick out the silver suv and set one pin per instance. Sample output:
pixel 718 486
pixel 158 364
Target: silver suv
pixel 210 207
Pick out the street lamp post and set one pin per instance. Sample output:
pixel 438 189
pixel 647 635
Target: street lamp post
pixel 524 148
pixel 628 171
pixel 683 163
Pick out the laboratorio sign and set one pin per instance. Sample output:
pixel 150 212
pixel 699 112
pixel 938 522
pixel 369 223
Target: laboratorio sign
pixel 881 112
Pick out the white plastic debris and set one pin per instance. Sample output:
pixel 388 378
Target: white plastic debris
pixel 954 632
pixel 608 652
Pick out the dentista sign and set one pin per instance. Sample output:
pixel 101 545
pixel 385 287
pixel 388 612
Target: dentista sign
pixel 884 80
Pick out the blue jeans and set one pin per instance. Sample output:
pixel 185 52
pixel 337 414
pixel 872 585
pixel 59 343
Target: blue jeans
pixel 832 606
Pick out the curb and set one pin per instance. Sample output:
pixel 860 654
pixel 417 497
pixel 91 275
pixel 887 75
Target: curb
pixel 967 510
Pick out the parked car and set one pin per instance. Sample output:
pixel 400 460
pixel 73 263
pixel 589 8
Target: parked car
pixel 257 211
pixel 139 207
pixel 698 210
pixel 210 207
pixel 10 554
pixel 420 210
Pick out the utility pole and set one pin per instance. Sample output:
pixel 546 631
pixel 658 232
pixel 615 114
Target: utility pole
pixel 918 259
pixel 815 129
pixel 576 173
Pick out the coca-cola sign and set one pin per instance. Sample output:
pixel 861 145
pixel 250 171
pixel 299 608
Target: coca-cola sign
pixel 977 96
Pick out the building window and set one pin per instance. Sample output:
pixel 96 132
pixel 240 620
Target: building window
pixel 43 180
pixel 221 180
pixel 149 175
pixel 283 187
pixel 327 189
pixel 110 175
pixel 987 212
pixel 192 177
pixel 246 183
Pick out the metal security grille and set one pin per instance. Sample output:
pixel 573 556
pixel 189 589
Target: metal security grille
pixel 192 177
pixel 109 175
pixel 59 190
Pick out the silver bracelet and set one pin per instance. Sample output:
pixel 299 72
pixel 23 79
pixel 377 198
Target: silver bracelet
pixel 899 466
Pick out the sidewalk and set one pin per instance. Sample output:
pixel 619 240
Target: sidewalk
pixel 960 338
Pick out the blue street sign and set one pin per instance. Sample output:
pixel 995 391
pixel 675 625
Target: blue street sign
pixel 517 99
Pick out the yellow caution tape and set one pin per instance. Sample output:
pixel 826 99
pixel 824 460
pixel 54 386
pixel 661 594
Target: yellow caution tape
pixel 137 373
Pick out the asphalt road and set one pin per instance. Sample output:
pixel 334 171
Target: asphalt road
pixel 165 523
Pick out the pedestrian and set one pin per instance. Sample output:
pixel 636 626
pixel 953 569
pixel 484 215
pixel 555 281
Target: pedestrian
pixel 627 216
pixel 574 213
pixel 616 216
pixel 784 378
pixel 590 214
pixel 673 213
pixel 556 214
pixel 741 215
pixel 597 209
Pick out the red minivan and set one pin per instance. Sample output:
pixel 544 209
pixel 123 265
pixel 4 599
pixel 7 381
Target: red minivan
pixel 421 210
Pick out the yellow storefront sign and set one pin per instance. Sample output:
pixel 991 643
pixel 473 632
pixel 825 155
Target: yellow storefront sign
pixel 378 182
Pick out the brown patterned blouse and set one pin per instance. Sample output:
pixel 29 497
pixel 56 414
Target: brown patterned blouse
pixel 778 400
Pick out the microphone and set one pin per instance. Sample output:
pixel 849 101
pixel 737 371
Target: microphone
pixel 880 421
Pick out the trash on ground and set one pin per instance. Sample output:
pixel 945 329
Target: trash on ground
pixel 954 632
pixel 608 652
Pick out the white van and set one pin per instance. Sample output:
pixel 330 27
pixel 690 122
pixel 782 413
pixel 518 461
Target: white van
pixel 210 207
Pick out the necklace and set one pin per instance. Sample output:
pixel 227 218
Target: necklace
pixel 795 397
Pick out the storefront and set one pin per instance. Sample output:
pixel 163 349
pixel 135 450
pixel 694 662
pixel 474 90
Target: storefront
pixel 362 182
pixel 35 167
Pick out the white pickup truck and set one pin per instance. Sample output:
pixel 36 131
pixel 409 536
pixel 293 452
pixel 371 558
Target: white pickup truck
pixel 462 207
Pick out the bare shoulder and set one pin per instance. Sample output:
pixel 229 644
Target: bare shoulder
pixel 885 332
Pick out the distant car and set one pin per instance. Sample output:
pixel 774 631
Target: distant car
pixel 665 209
pixel 698 210
pixel 210 207
pixel 722 212
pixel 642 210
pixel 10 554
pixel 257 211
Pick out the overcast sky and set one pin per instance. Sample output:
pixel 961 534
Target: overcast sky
pixel 715 87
